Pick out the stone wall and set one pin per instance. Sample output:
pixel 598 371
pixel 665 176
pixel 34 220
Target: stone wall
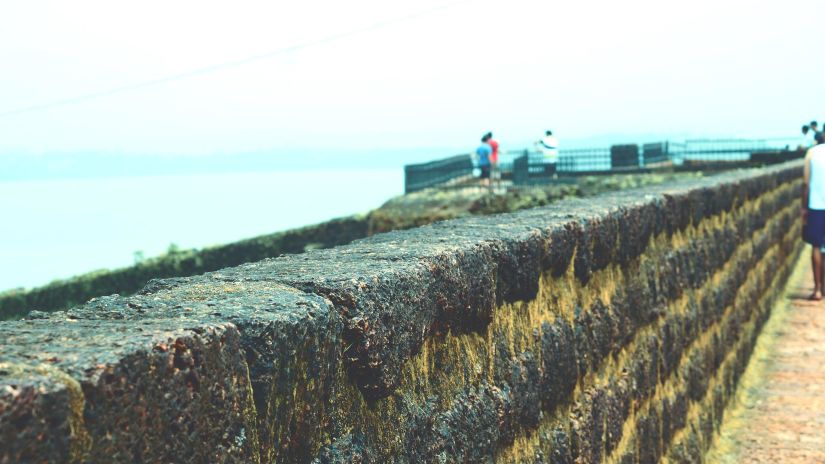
pixel 611 329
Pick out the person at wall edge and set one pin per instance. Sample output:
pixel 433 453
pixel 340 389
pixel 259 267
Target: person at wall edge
pixel 549 146
pixel 813 212
pixel 814 126
pixel 484 151
pixel 495 173
pixel 805 141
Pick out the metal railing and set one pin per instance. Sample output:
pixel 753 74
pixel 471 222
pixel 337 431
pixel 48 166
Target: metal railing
pixel 691 154
pixel 655 154
pixel 530 166
pixel 439 172
pixel 715 149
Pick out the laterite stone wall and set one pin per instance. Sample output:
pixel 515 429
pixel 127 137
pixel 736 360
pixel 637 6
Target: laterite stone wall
pixel 611 329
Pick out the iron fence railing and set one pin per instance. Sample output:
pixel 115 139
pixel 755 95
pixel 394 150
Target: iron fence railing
pixel 439 172
pixel 655 154
pixel 530 165
pixel 715 149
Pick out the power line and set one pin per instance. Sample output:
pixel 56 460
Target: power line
pixel 228 64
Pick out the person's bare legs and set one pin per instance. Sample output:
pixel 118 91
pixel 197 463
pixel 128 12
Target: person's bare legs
pixel 821 273
pixel 816 264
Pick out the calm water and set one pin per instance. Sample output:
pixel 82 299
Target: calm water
pixel 57 229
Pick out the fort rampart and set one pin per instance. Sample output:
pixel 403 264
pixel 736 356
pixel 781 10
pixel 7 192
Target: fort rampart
pixel 607 329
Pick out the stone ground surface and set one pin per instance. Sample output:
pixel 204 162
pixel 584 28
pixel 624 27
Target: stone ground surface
pixel 779 413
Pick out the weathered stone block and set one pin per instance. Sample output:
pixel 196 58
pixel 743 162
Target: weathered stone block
pixel 525 380
pixel 650 436
pixel 688 450
pixel 706 427
pixel 589 426
pixel 559 363
pixel 617 410
pixel 639 221
pixel 604 232
pixel 469 431
pixel 719 402
pixel 700 204
pixel 601 325
pixel 695 374
pixel 583 260
pixel 644 367
pixel 670 334
pixel 349 449
pixel 125 388
pixel 290 342
pixel 561 247
pixel 519 379
pixel 623 325
pixel 641 298
pixel 561 449
pixel 41 415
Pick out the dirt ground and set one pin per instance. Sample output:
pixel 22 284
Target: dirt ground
pixel 778 415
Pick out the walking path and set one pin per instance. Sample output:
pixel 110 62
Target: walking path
pixel 778 415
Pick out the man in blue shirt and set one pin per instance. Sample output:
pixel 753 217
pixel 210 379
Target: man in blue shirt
pixel 483 152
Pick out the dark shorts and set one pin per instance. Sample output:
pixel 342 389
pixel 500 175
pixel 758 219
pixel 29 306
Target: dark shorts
pixel 814 231
pixel 485 172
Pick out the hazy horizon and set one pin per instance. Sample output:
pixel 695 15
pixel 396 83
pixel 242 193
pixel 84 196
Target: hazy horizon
pixel 91 165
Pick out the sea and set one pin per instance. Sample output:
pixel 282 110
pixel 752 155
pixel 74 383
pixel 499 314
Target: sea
pixel 55 229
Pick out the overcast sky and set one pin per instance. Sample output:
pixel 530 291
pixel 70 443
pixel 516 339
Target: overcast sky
pixel 440 79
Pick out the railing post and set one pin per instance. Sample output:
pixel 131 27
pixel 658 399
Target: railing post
pixel 521 166
pixel 624 156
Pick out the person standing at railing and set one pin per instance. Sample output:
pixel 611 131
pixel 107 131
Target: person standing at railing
pixel 484 152
pixel 549 147
pixel 806 141
pixel 495 173
pixel 814 126
pixel 813 212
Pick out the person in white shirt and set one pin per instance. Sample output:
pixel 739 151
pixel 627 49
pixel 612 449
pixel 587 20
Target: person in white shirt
pixel 813 212
pixel 805 142
pixel 814 131
pixel 549 147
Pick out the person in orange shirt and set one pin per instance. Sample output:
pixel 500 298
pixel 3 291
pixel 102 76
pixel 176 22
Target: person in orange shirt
pixel 496 173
